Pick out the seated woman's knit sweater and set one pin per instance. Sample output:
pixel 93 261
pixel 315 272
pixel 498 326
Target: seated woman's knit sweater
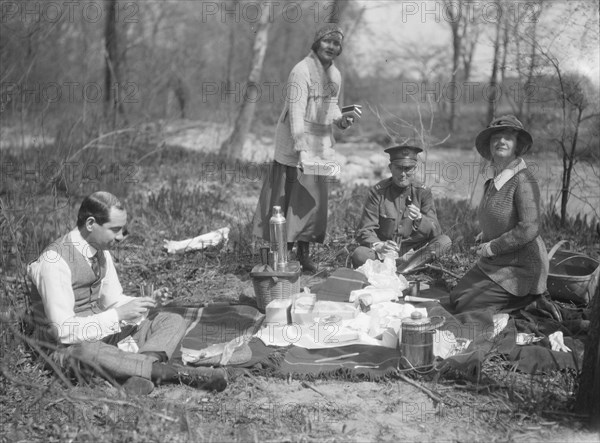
pixel 510 219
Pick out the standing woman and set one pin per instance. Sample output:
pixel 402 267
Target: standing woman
pixel 304 131
pixel 513 264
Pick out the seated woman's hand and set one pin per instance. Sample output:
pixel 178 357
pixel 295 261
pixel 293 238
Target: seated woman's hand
pixel 484 250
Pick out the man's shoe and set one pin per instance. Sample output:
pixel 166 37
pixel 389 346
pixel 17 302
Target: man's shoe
pixel 209 379
pixel 138 386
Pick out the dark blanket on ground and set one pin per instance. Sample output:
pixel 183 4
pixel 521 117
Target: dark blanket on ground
pixel 220 323
pixel 478 326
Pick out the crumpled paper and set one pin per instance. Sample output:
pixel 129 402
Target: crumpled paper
pixel 371 295
pixel 197 243
pixel 383 275
pixel 524 338
pixel 445 344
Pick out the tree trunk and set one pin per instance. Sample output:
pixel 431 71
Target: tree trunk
pixel 455 63
pixel 338 7
pixel 232 147
pixel 231 53
pixel 588 394
pixel 568 163
pixel 493 96
pixel 455 19
pixel 112 101
pixel 530 73
pixel 505 41
pixel 519 99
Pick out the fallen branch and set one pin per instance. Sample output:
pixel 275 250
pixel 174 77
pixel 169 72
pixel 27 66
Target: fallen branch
pixel 309 386
pixel 74 397
pixel 436 398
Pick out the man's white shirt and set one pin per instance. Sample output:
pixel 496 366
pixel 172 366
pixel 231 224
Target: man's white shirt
pixel 52 276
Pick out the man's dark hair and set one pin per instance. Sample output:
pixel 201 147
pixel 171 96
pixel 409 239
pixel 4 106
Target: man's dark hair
pixel 97 205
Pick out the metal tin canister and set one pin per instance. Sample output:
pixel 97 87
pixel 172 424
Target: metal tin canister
pixel 416 345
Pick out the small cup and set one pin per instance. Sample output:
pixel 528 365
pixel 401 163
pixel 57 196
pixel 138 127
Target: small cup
pixel 147 290
pixel 415 288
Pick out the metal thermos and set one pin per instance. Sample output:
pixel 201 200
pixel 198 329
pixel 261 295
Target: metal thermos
pixel 278 237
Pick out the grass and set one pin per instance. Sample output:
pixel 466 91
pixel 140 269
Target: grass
pixel 171 195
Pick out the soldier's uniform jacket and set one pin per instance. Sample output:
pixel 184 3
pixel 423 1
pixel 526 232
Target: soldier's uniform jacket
pixel 385 216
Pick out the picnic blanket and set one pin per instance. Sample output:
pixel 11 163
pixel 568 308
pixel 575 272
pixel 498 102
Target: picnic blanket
pixel 221 323
pixel 218 323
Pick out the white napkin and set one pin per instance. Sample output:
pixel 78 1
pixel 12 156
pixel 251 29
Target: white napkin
pixel 557 343
pixel 201 242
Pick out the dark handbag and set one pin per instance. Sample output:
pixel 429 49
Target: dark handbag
pixel 572 277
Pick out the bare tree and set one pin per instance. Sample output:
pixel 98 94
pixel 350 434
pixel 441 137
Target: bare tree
pixel 574 102
pixel 471 39
pixel 231 53
pixel 338 9
pixel 493 97
pixel 112 66
pixel 232 147
pixel 461 22
pixel 522 36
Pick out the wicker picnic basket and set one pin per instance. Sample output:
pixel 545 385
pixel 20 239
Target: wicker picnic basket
pixel 270 285
pixel 573 277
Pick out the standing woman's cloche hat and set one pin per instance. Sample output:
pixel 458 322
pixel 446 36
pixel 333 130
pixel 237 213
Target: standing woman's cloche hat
pixel 328 29
pixel 524 139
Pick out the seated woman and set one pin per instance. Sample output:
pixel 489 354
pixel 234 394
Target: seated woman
pixel 513 264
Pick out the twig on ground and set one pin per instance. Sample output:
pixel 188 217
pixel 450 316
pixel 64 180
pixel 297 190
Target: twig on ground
pixel 568 414
pixel 75 397
pixel 427 391
pixel 309 386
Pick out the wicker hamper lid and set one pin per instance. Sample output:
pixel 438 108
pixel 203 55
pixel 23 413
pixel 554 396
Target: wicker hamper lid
pixel 292 269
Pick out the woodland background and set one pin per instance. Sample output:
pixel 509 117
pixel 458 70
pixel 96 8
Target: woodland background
pixel 93 93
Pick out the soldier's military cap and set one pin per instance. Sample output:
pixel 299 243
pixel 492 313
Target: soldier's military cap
pixel 403 155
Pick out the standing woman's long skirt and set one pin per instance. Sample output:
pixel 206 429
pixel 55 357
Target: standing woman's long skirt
pixel 303 200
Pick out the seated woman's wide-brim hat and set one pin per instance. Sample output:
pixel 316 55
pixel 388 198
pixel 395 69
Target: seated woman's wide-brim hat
pixel 524 139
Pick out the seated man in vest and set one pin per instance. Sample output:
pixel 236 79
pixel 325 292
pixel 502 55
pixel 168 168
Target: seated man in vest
pixel 399 218
pixel 79 306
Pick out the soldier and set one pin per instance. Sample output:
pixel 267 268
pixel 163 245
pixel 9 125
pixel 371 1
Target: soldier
pixel 399 217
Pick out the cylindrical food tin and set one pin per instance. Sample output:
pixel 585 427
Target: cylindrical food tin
pixel 416 346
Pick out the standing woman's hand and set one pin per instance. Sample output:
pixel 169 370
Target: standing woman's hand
pixel 301 148
pixel 302 156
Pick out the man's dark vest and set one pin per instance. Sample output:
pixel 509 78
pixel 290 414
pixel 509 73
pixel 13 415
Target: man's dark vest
pixel 85 284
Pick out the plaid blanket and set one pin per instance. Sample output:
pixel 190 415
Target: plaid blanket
pixel 220 323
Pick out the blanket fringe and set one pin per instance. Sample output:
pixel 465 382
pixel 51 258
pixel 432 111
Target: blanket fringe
pixel 343 374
